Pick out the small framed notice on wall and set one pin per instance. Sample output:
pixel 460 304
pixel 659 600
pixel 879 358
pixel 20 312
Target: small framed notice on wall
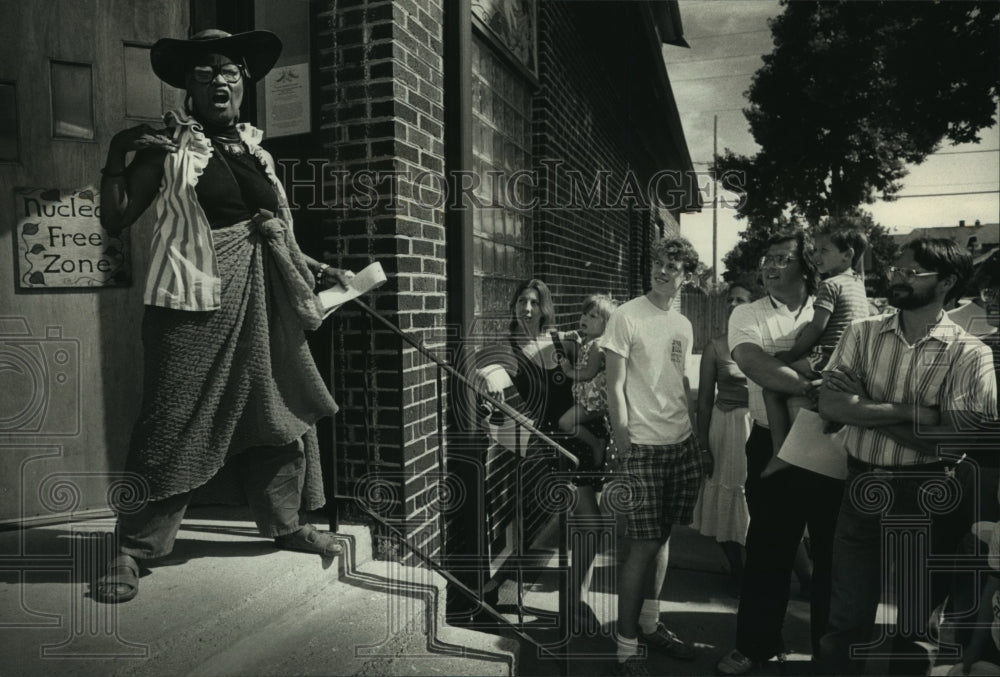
pixel 60 243
pixel 287 95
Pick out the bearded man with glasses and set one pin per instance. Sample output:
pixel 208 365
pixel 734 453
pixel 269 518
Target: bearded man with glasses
pixel 915 393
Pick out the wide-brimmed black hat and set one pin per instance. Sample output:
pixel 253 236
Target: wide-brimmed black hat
pixel 172 59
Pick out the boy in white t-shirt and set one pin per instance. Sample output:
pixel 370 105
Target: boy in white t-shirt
pixel 647 344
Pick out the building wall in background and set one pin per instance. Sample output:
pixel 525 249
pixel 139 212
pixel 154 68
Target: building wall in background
pixel 379 103
pixel 69 358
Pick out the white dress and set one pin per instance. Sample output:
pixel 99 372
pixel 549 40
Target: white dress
pixel 721 511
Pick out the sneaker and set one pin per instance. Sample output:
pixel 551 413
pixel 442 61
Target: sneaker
pixel 667 642
pixel 735 663
pixel 632 667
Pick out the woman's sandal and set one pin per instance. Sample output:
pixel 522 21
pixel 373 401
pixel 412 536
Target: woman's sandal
pixel 120 581
pixel 310 539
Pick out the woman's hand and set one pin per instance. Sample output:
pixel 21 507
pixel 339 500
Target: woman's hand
pixel 707 462
pixel 126 195
pixel 706 457
pixel 622 447
pixel 330 276
pixel 142 137
pixel 564 365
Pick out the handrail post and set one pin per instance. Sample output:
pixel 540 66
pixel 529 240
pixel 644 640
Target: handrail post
pixel 563 589
pixel 519 551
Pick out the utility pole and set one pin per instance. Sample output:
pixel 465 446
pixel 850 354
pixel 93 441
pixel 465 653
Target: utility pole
pixel 715 201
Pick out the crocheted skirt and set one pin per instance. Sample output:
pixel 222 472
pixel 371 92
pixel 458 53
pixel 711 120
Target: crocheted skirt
pixel 220 383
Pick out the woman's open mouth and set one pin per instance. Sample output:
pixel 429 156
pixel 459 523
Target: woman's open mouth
pixel 221 98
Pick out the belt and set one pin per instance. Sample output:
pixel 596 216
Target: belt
pixel 941 465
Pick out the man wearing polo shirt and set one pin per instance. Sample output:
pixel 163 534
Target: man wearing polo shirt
pixel 890 379
pixel 785 501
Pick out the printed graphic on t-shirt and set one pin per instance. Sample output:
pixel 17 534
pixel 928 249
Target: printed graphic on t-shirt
pixel 677 355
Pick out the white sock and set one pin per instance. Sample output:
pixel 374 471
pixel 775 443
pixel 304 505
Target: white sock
pixel 649 615
pixel 626 648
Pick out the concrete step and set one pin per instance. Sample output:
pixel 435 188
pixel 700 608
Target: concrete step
pixel 226 602
pixel 379 619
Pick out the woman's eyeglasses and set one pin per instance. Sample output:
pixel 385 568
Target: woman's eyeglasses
pixel 776 260
pixel 908 274
pixel 230 72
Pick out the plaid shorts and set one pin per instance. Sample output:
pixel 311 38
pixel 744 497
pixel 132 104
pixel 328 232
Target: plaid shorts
pixel 664 480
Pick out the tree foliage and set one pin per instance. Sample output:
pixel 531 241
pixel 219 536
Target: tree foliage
pixel 854 91
pixel 851 93
pixel 743 260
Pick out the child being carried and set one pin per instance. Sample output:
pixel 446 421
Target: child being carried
pixel 585 365
pixel 841 299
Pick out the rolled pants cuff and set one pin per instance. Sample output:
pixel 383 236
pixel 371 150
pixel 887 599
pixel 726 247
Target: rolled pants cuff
pixel 273 478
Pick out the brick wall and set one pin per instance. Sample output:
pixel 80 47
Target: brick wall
pixel 381 87
pixel 582 118
pixel 380 84
pixel 578 124
pixel 578 251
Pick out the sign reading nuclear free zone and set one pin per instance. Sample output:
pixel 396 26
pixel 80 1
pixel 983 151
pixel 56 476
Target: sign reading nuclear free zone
pixel 61 244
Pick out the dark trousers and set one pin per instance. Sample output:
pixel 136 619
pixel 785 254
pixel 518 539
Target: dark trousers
pixel 897 519
pixel 782 506
pixel 272 479
pixel 759 451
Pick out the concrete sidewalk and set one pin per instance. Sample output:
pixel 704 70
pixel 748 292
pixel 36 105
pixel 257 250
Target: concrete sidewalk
pixel 695 604
pixel 226 602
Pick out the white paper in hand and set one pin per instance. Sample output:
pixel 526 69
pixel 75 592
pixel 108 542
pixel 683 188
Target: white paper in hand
pixel 370 278
pixel 807 446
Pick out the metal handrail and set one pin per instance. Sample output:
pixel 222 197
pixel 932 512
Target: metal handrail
pixel 464 589
pixel 563 455
pixel 514 414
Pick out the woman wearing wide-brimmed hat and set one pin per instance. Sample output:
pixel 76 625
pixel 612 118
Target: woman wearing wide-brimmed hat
pixel 229 379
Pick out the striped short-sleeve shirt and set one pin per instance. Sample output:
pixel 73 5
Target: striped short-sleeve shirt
pixel 948 368
pixel 844 297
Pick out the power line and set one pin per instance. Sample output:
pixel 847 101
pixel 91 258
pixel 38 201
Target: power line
pixel 713 110
pixel 970 192
pixel 965 183
pixel 909 185
pixel 963 152
pixel 713 77
pixel 717 58
pixel 725 35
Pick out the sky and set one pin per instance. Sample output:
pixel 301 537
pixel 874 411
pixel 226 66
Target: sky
pixel 727 39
